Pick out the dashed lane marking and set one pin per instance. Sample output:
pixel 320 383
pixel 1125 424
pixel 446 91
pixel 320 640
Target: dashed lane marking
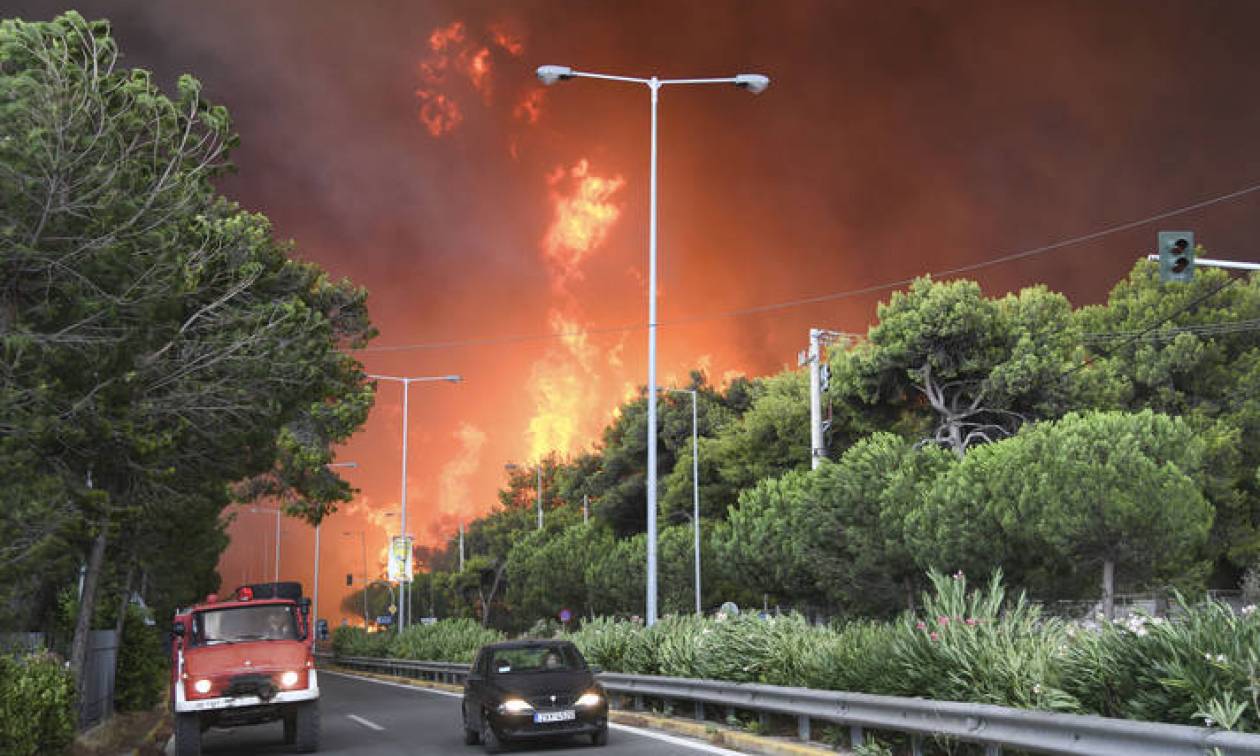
pixel 365 722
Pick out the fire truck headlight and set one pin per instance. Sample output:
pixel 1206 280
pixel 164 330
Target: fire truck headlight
pixel 289 679
pixel 202 686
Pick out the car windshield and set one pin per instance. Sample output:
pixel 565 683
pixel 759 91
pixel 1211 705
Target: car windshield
pixel 246 623
pixel 510 661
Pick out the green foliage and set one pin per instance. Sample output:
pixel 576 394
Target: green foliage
pixel 143 668
pixel 355 641
pixel 1201 665
pixel 37 713
pixel 975 647
pixel 449 640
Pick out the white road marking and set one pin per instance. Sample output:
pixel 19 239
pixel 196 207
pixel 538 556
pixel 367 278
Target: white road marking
pixel 684 742
pixel 365 722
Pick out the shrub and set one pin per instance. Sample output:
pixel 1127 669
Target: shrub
pixel 355 641
pixel 37 713
pixel 142 665
pixel 454 640
pixel 604 642
pixel 1204 665
pixel 968 647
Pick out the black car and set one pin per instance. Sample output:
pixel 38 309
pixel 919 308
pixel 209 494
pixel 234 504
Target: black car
pixel 524 689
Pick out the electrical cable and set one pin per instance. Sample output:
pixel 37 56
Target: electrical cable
pixel 831 297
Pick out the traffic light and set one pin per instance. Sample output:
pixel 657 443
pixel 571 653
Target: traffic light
pixel 1176 256
pixel 349 578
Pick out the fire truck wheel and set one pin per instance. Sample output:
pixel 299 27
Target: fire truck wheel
pixel 187 734
pixel 308 726
pixel 290 724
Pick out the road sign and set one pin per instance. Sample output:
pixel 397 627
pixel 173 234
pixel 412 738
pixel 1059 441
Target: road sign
pixel 393 609
pixel 565 615
pixel 385 619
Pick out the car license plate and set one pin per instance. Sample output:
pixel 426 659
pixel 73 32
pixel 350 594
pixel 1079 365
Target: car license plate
pixel 554 716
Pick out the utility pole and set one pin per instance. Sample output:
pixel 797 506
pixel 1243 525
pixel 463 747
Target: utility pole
pixel 461 550
pixel 819 377
pixel 540 516
pixel 586 508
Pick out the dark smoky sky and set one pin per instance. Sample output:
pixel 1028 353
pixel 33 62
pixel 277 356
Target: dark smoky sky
pixel 896 139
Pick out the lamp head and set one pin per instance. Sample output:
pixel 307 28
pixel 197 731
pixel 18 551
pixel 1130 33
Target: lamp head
pixel 551 74
pixel 454 378
pixel 755 83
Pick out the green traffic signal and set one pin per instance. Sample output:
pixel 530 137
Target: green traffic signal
pixel 1176 256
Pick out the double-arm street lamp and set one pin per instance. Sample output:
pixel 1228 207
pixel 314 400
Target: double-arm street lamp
pixel 402 505
pixel 755 83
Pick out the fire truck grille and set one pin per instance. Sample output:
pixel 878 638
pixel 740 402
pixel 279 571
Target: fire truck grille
pixel 252 685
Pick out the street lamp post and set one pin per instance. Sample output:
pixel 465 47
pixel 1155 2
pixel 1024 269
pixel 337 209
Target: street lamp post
pixel 755 83
pixel 695 484
pixel 402 505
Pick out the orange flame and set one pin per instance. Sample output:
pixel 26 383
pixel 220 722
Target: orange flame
pixel 509 42
pixel 581 220
pixel 453 496
pixel 445 36
pixel 477 67
pixel 529 109
pixel 439 114
pixel 564 385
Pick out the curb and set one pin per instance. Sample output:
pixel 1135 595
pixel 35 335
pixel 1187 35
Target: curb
pixel 709 732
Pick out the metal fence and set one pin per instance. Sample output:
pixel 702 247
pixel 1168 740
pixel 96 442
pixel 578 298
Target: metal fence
pixel 993 727
pixel 98 680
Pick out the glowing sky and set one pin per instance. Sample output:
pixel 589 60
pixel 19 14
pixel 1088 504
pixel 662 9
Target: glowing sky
pixel 501 226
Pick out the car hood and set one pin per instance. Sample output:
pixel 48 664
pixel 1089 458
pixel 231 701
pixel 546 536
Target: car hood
pixel 543 683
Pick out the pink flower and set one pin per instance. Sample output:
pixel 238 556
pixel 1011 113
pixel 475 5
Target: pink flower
pixel 920 626
pixel 934 636
pixel 942 620
pixel 971 621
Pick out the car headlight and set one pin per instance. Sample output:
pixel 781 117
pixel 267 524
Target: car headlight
pixel 289 679
pixel 590 699
pixel 515 706
pixel 202 686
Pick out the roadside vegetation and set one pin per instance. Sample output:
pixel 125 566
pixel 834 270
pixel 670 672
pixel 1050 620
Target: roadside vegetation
pixel 971 644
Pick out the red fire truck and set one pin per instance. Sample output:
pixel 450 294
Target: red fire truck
pixel 245 660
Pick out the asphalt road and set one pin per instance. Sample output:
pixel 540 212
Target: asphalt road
pixel 361 716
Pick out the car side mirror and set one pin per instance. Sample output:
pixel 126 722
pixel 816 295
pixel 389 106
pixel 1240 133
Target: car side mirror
pixel 178 629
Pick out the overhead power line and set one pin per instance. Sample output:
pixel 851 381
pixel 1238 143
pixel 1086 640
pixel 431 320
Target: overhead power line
pixel 833 296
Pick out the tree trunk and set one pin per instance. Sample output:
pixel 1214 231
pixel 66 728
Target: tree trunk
pixel 1109 589
pixel 122 604
pixel 83 623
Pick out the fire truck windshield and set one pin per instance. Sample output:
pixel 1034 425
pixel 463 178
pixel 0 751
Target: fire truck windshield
pixel 245 623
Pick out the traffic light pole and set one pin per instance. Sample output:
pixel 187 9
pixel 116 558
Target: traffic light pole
pixel 1208 262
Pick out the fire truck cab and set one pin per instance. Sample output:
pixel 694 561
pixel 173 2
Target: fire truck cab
pixel 245 660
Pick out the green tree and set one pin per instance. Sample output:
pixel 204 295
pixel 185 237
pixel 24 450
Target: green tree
pixel 159 343
pixel 1099 490
pixel 963 368
pixel 1190 350
pixel 857 507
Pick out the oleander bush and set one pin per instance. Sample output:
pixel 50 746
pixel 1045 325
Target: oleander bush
pixel 964 644
pixel 454 640
pixel 37 713
pixel 355 641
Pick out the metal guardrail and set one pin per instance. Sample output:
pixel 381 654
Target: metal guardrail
pixel 994 727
